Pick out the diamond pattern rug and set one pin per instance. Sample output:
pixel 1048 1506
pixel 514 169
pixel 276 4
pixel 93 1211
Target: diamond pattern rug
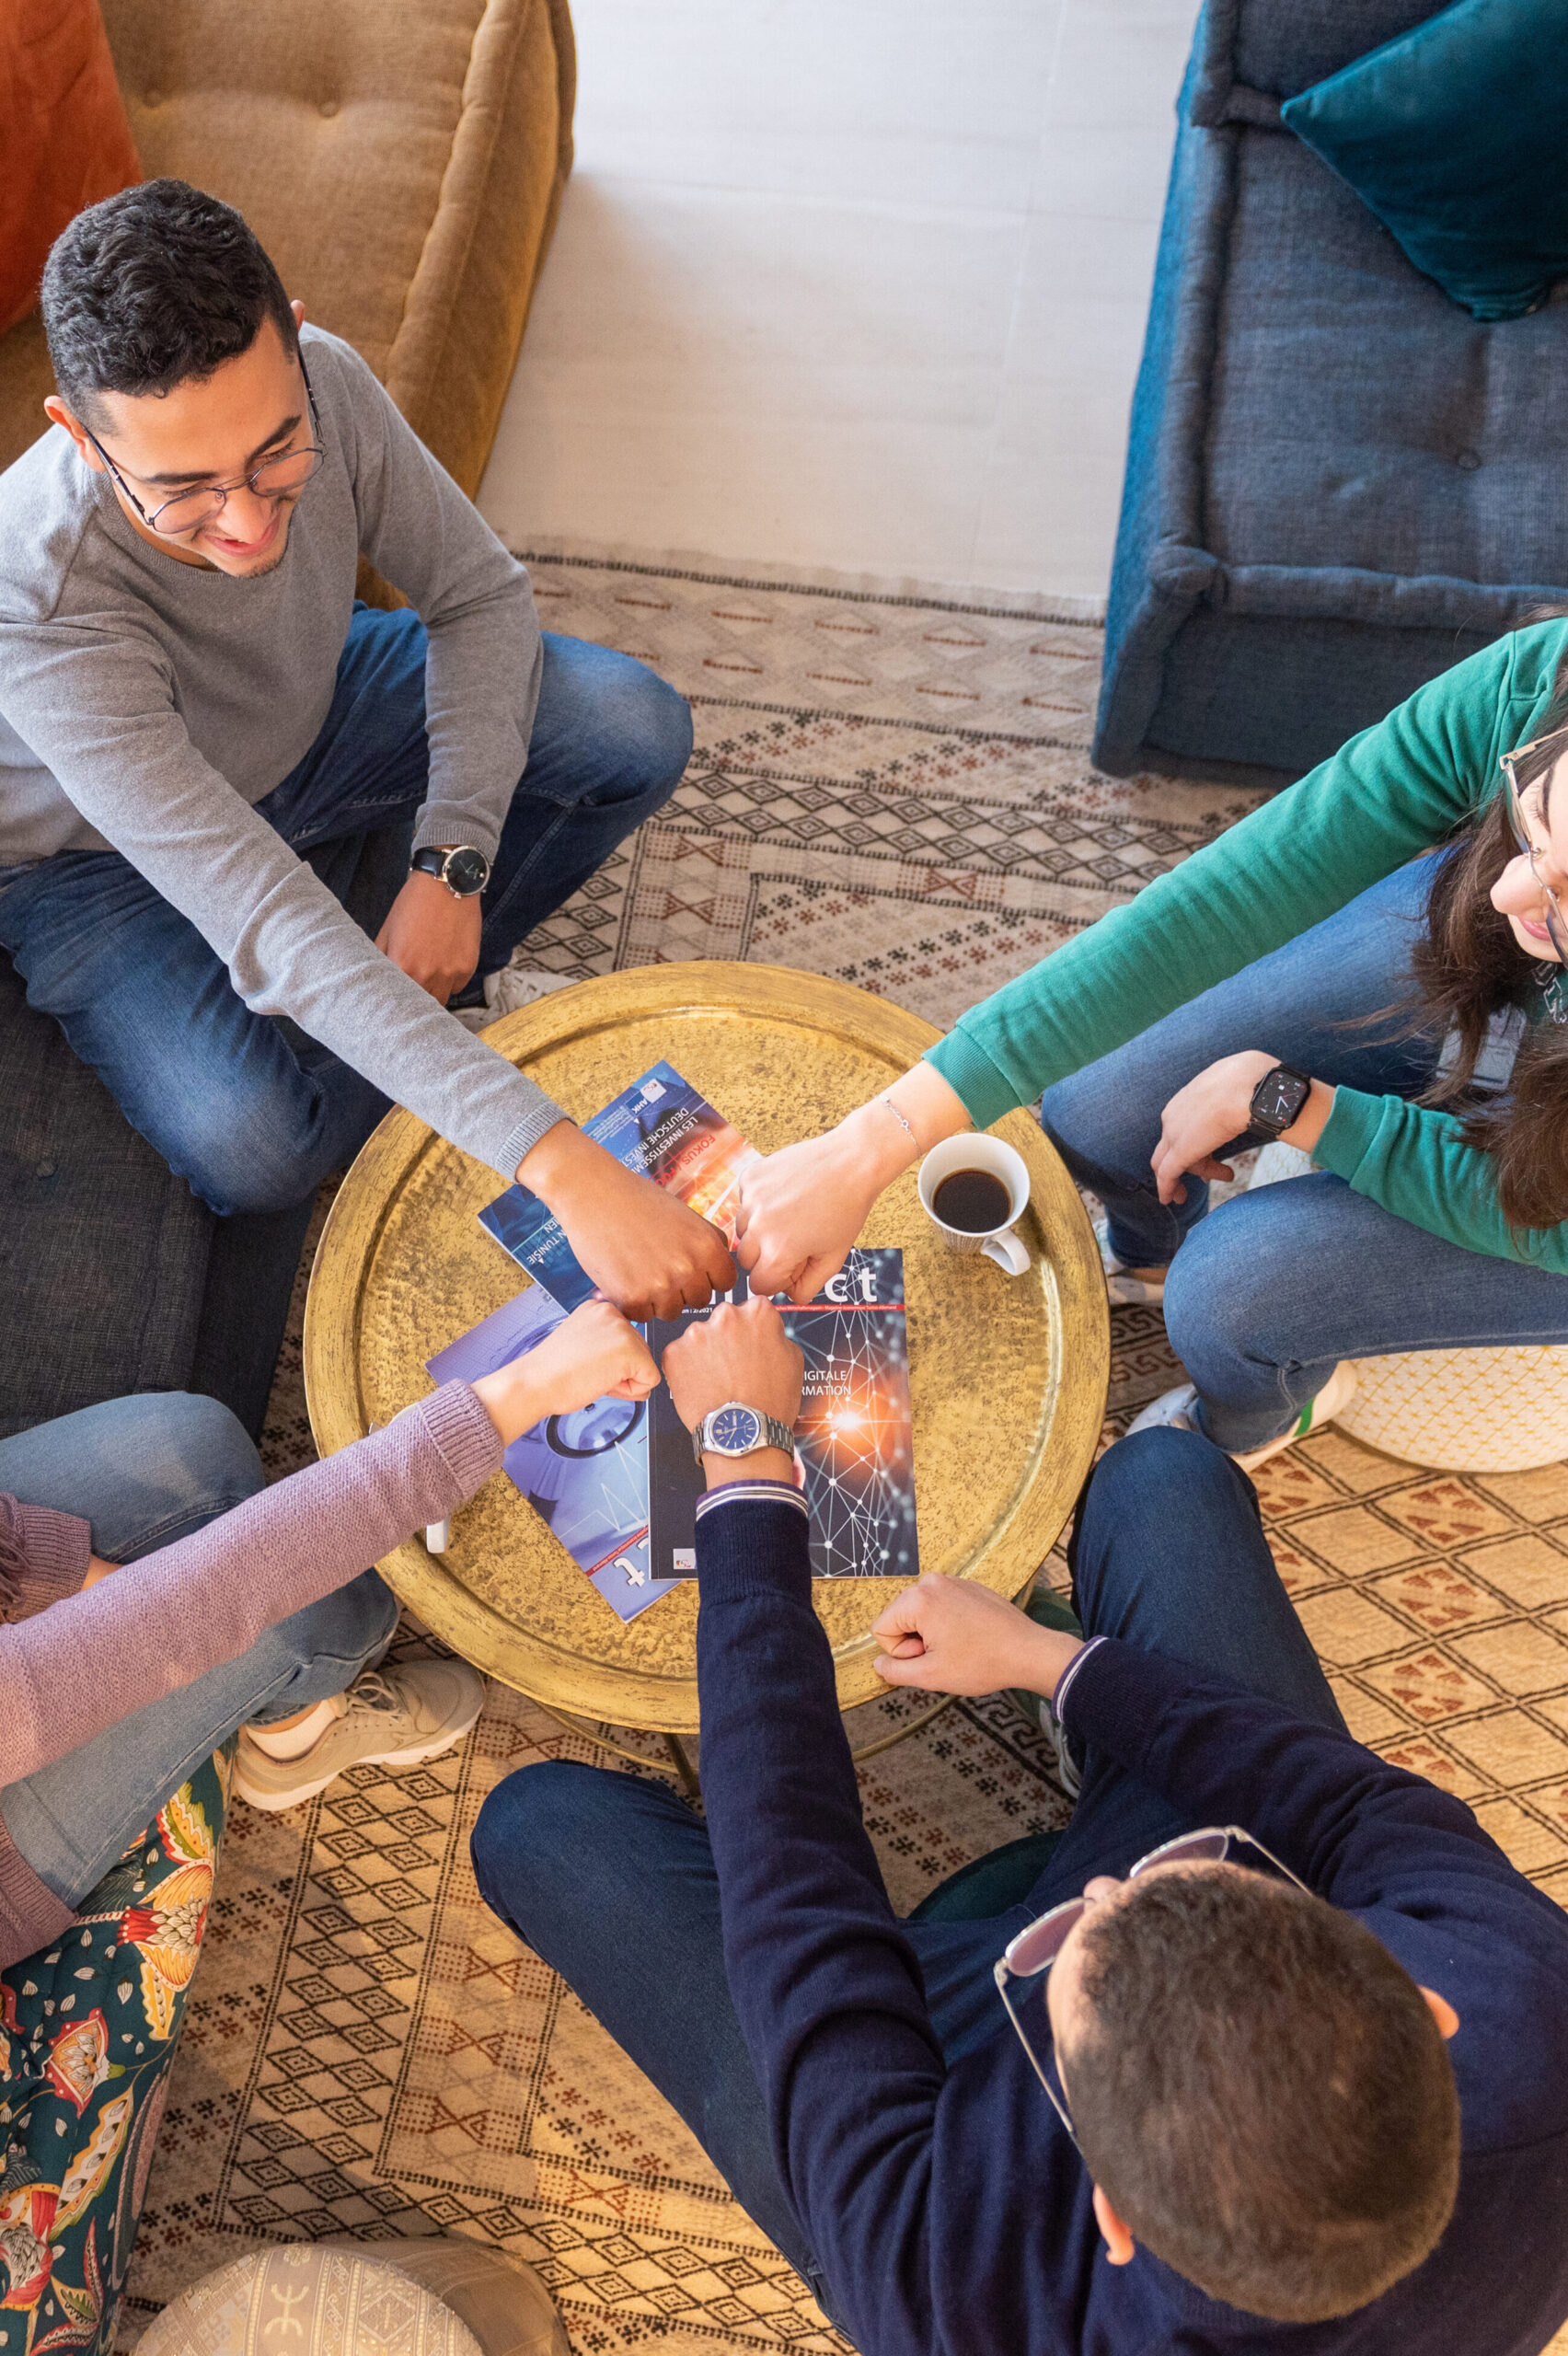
pixel 895 789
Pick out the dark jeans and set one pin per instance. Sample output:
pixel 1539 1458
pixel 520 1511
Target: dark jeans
pixel 611 1879
pixel 1265 1297
pixel 247 1108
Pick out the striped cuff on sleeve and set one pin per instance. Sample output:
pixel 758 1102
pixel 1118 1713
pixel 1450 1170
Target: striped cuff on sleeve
pixel 1064 1683
pixel 762 1492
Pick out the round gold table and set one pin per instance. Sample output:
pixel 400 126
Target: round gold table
pixel 1008 1375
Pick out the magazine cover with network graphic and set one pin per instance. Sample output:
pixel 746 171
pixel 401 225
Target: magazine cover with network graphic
pixel 853 1452
pixel 659 1126
pixel 618 1481
pixel 584 1474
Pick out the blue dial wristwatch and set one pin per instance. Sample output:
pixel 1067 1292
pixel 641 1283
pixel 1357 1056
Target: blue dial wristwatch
pixel 735 1429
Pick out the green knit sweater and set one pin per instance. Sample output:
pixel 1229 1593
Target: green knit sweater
pixel 1391 792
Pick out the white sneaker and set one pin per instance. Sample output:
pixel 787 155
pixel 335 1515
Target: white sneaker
pixel 1173 1411
pixel 1126 1290
pixel 505 991
pixel 388 1718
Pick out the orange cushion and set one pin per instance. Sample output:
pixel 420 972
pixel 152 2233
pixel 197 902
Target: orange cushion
pixel 63 133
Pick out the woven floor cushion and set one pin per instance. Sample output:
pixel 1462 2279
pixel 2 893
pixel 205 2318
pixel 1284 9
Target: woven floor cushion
pixel 1463 1411
pixel 438 2297
pixel 1452 1411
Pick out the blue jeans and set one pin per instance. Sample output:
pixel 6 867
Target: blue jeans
pixel 145 1472
pixel 246 1107
pixel 611 1879
pixel 1265 1297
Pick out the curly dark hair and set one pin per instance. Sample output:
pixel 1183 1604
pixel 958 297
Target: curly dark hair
pixel 151 288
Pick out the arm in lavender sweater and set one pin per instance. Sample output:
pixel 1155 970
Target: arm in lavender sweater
pixel 90 1660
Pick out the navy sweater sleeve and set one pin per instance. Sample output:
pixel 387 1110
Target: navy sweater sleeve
pixel 830 1997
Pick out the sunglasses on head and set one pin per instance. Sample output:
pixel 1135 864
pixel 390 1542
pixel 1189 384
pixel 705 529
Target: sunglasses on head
pixel 1029 1957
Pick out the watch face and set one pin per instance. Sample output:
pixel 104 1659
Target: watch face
pixel 735 1431
pixel 467 871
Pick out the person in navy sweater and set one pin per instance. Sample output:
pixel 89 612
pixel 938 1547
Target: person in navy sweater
pixel 1306 2096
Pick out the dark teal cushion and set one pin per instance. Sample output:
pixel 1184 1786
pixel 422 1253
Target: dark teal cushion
pixel 1455 135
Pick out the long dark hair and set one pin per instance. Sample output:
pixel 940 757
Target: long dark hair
pixel 1467 968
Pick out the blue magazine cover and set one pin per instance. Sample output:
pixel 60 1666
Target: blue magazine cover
pixel 585 1474
pixel 659 1126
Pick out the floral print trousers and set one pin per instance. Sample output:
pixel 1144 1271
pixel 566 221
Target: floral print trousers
pixel 87 2039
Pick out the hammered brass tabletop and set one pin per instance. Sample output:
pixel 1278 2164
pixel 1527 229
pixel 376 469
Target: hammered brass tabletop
pixel 1008 1375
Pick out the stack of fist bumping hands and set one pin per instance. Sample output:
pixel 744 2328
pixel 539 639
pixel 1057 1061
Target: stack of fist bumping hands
pixel 1266 2048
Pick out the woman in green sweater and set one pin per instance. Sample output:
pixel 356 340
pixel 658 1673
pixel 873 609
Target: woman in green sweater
pixel 1313 936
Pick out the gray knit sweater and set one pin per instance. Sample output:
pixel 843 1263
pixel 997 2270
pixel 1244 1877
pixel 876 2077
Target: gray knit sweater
pixel 72 1664
pixel 147 706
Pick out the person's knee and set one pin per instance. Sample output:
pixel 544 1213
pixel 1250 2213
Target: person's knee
pixel 1219 1300
pixel 1144 1483
pixel 531 1828
pixel 269 1154
pixel 645 729
pixel 206 1450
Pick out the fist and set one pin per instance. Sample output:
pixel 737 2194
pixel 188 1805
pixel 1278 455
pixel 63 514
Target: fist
pixel 592 1354
pixel 955 1636
pixel 742 1354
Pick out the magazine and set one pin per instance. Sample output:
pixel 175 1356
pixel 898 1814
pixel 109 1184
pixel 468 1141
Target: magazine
pixel 584 1474
pixel 853 1456
pixel 618 1481
pixel 659 1126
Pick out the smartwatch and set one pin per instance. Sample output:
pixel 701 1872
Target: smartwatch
pixel 734 1429
pixel 463 870
pixel 1276 1104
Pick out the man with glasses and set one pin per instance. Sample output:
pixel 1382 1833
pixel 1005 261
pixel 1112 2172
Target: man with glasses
pixel 1268 2051
pixel 198 729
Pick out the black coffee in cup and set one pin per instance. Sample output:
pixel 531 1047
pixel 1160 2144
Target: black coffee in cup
pixel 973 1202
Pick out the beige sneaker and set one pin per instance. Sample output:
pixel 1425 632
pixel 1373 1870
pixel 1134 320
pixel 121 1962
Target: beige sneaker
pixel 1173 1411
pixel 505 991
pixel 388 1718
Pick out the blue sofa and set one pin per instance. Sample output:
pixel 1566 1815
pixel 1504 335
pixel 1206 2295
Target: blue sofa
pixel 1338 483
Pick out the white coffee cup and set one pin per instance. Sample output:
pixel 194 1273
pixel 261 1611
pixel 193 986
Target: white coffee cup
pixel 998 1160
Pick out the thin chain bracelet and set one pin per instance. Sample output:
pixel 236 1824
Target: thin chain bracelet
pixel 900 1119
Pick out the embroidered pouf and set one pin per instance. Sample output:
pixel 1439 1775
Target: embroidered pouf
pixel 438 2297
pixel 1502 1410
pixel 1463 1411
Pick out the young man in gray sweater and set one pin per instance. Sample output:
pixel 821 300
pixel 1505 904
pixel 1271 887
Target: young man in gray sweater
pixel 199 727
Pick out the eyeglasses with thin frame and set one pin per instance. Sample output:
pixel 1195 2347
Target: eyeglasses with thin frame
pixel 1030 1955
pixel 275 478
pixel 1552 907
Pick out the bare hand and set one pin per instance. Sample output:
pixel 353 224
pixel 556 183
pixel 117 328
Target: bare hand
pixel 592 1354
pixel 802 1209
pixel 737 1353
pixel 951 1635
pixel 643 1248
pixel 1206 1113
pixel 97 1569
pixel 799 1212
pixel 432 935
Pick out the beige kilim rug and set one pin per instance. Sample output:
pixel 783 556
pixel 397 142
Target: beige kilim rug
pixel 895 789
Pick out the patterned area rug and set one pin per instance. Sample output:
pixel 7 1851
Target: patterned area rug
pixel 897 791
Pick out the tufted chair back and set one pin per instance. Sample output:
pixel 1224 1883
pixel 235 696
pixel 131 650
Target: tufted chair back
pixel 401 160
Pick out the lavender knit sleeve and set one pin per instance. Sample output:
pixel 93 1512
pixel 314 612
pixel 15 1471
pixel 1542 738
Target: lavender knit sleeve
pixel 43 1555
pixel 91 1659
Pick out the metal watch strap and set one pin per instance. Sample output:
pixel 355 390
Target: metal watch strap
pixel 773 1433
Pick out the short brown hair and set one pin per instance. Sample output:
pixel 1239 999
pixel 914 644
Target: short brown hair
pixel 1261 2092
